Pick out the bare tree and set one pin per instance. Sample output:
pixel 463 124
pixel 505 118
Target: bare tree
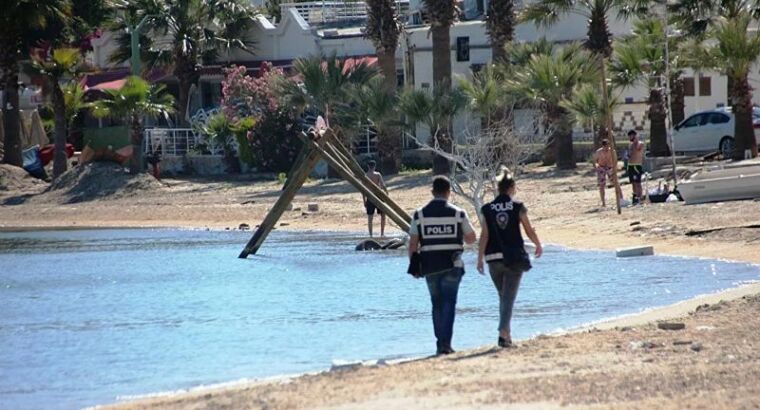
pixel 482 154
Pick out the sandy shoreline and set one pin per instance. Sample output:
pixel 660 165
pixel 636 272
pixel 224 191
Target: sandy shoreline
pixel 327 389
pixel 601 367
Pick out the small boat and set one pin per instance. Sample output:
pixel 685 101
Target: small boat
pixel 730 182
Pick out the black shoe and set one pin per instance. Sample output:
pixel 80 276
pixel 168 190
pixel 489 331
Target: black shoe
pixel 439 350
pixel 504 343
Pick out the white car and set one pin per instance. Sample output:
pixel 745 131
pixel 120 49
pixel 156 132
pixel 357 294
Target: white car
pixel 710 131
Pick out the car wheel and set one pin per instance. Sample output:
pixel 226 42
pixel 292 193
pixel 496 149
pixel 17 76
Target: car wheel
pixel 726 147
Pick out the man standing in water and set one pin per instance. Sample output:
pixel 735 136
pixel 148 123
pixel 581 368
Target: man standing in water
pixel 635 165
pixel 604 167
pixel 371 208
pixel 438 232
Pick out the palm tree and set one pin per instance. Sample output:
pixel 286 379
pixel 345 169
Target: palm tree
pixel 62 65
pixel 379 106
pixel 486 93
pixel 325 85
pixel 133 101
pixel 598 39
pixel 20 22
pixel 196 32
pixel 501 20
pixel 737 52
pixel 587 106
pixel 640 60
pixel 441 14
pixel 431 109
pixel 546 81
pixel 383 29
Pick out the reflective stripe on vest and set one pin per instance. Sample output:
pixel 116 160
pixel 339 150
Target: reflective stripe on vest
pixel 440 228
pixel 445 247
pixel 494 257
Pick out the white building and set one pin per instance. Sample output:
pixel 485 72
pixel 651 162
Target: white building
pixel 308 29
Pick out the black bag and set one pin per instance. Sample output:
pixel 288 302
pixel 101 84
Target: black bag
pixel 415 268
pixel 516 258
pixel 415 260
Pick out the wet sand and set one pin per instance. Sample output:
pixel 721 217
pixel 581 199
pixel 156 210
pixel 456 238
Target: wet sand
pixel 714 363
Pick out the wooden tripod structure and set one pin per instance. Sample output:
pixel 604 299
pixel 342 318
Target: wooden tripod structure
pixel 324 145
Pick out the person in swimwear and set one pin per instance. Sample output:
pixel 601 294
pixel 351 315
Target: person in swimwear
pixel 604 167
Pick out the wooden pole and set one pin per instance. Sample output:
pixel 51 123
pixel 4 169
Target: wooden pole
pixel 295 181
pixel 608 124
pixel 358 184
pixel 350 165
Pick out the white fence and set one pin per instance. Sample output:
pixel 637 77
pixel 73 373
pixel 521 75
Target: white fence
pixel 320 12
pixel 171 142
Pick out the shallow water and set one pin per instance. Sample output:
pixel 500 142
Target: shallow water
pixel 91 316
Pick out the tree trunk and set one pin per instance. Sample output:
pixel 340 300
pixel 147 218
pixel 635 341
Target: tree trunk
pixel 136 131
pixel 11 128
pixel 658 144
pixel 389 150
pixel 598 36
pixel 60 161
pixel 442 78
pixel 563 140
pixel 677 101
pixel 388 141
pixel 387 62
pixel 187 75
pixel 744 134
pixel 182 102
pixel 500 27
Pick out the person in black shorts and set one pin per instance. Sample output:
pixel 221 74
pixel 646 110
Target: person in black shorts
pixel 371 208
pixel 635 165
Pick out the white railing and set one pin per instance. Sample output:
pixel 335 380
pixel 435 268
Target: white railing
pixel 171 142
pixel 320 12
pixel 366 141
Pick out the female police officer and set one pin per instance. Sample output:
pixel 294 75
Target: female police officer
pixel 502 246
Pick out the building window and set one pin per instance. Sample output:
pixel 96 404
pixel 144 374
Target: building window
pixel 688 87
pixel 705 86
pixel 463 49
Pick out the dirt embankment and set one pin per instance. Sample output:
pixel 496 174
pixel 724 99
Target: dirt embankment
pixel 86 183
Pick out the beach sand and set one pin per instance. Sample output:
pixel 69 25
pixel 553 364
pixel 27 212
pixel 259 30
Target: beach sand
pixel 715 364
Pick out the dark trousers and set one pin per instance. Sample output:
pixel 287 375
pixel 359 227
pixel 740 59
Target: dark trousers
pixel 443 288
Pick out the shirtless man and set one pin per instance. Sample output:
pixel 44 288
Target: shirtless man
pixel 603 166
pixel 377 178
pixel 635 165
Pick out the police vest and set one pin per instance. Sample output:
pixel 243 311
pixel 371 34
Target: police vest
pixel 502 217
pixel 439 226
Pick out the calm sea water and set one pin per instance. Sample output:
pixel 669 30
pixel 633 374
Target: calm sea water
pixel 87 317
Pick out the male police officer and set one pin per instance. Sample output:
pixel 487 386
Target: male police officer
pixel 438 232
